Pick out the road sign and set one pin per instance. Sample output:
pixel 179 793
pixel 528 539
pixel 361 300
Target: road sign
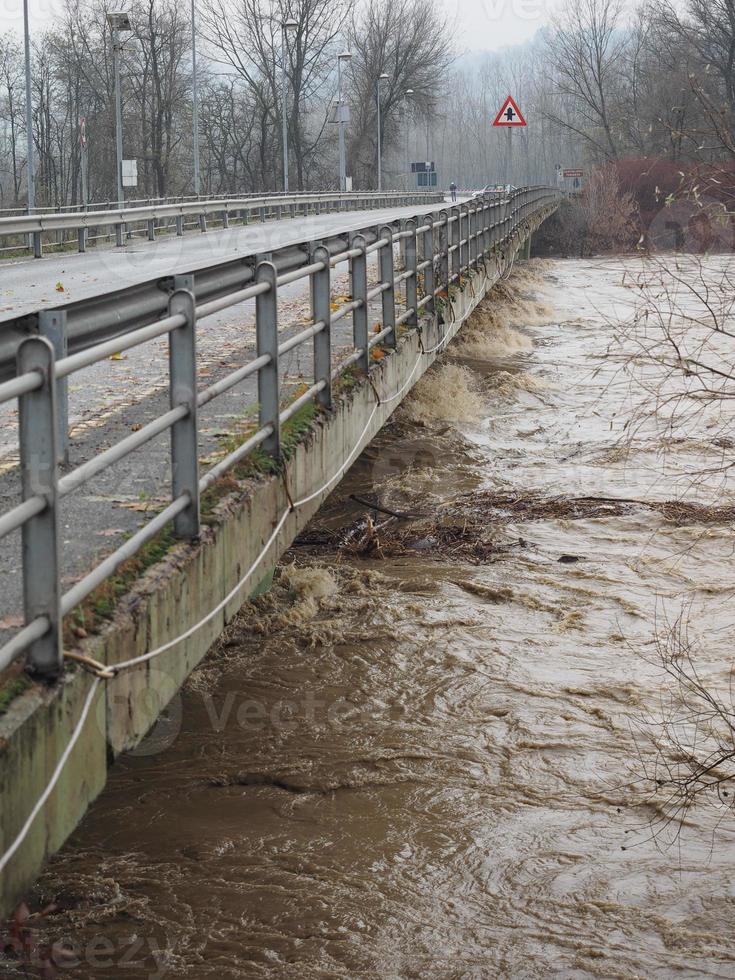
pixel 574 173
pixel 130 173
pixel 510 114
pixel 339 113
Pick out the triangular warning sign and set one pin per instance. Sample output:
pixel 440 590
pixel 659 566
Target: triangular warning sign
pixel 510 114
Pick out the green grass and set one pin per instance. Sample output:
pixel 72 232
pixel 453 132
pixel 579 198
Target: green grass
pixel 12 690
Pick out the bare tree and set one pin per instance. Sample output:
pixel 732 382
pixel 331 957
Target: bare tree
pixel 161 82
pixel 11 78
pixel 409 41
pixel 247 38
pixel 586 52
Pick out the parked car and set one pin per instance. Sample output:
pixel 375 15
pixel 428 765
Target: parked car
pixel 496 189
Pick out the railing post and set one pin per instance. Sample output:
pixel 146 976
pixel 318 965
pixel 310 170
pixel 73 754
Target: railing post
pixel 386 264
pixel 473 231
pixel 428 253
pixel 401 266
pixel 358 280
pixel 183 391
pixel 37 245
pixel 456 239
pixel 225 218
pixel 498 213
pixel 459 262
pixel 119 234
pixel 411 262
pixel 321 296
pixel 179 225
pixel 52 326
pixel 151 229
pixel 203 223
pixel 444 237
pixel 40 535
pixel 266 321
pixel 82 239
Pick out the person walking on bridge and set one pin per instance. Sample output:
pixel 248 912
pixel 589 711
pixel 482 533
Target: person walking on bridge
pixel 453 191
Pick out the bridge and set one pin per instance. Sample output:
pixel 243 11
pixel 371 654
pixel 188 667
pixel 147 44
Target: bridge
pixel 104 641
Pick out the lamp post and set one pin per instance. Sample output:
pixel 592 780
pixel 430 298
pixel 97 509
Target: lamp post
pixel 288 25
pixel 29 112
pixel 195 99
pixel 345 56
pixel 119 21
pixel 382 78
pixel 406 97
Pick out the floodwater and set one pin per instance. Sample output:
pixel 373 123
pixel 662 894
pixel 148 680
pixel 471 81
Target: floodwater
pixel 429 752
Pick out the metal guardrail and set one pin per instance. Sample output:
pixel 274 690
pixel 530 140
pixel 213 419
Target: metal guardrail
pixel 142 202
pixel 440 248
pixel 155 215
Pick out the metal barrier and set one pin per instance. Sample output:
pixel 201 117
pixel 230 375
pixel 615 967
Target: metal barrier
pixel 153 215
pixel 439 248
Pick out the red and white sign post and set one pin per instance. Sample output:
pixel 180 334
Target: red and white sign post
pixel 509 117
pixel 510 114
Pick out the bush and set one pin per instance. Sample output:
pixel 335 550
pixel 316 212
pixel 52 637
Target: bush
pixel 602 218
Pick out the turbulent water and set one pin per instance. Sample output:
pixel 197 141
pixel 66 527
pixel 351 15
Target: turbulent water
pixel 427 753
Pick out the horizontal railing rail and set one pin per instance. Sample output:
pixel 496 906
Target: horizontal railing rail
pixel 440 249
pixel 156 214
pixel 137 202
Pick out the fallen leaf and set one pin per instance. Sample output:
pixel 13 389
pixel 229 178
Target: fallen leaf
pixel 59 287
pixel 11 622
pixel 141 506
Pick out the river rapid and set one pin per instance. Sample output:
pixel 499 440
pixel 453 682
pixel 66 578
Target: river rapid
pixel 428 752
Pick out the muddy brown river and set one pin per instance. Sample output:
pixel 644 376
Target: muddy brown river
pixel 433 750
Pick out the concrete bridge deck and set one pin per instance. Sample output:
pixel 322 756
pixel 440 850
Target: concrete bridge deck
pixel 28 285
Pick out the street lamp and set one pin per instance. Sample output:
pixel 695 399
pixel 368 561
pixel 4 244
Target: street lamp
pixel 345 56
pixel 29 112
pixel 288 25
pixel 195 99
pixel 382 78
pixel 408 95
pixel 119 22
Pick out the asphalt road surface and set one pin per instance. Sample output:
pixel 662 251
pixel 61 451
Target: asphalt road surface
pixel 27 285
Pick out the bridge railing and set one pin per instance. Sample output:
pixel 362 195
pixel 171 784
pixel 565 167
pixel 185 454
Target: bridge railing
pixel 156 217
pixel 440 249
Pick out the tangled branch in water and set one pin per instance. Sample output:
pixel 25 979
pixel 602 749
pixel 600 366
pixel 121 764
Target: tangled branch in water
pixel 693 739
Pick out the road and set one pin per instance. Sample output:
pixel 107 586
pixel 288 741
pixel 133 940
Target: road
pixel 27 285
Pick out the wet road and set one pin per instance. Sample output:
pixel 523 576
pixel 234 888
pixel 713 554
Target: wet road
pixel 27 285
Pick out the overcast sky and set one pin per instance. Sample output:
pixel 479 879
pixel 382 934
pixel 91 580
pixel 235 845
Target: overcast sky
pixel 486 25
pixel 481 25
